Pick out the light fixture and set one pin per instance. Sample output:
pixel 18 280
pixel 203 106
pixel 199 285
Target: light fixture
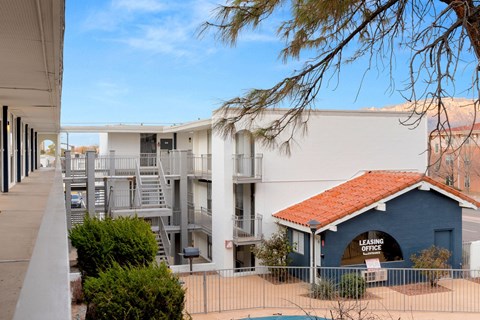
pixel 313 224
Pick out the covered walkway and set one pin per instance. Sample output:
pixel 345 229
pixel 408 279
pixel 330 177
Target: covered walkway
pixel 34 249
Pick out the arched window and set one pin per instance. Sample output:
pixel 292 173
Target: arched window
pixel 370 245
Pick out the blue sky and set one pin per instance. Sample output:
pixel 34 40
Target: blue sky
pixel 139 61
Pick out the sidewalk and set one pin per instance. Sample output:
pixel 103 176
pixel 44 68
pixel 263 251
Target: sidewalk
pixel 22 210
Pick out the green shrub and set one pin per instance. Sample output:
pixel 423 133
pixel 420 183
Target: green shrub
pixel 323 289
pixel 432 258
pixel 127 241
pixel 352 286
pixel 274 253
pixel 151 292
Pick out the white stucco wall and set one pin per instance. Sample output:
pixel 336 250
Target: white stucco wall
pixel 124 143
pixel 338 146
pixel 200 145
pixel 103 143
pixel 183 142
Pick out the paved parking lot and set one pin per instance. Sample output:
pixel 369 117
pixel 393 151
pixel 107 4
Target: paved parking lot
pixel 471 225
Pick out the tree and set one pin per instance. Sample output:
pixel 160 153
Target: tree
pixel 274 252
pixel 432 258
pixel 437 35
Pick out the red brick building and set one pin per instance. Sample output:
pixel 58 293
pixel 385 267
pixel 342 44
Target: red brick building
pixel 455 158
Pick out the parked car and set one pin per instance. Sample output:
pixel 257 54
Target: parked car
pixel 76 201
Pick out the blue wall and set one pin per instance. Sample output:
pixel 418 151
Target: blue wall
pixel 300 259
pixel 411 219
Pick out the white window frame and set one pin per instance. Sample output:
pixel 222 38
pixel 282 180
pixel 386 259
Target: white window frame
pixel 298 242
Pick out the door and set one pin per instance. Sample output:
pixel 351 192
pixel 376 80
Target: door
pixel 148 149
pixel 444 239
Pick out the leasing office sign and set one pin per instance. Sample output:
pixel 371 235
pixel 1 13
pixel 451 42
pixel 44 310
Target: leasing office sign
pixel 371 246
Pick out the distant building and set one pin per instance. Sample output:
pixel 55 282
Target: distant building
pixel 455 158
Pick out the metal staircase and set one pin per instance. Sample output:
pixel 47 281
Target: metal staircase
pixel 161 253
pixel 151 192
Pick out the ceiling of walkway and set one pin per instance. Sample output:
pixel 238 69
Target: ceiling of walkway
pixel 31 60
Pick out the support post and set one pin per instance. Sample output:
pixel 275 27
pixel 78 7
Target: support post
pixel 91 183
pixel 27 154
pixel 111 164
pixel 35 158
pixel 182 165
pixel 32 150
pixel 5 148
pixel 18 145
pixel 68 188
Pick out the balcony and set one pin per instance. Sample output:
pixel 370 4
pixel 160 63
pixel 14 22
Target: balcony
pixel 247 169
pixel 200 167
pixel 200 219
pixel 247 231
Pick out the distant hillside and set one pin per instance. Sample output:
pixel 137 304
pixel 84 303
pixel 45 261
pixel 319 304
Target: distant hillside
pixel 460 112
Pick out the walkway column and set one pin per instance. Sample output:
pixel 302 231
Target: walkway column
pixel 68 188
pixel 27 154
pixel 5 148
pixel 35 158
pixel 32 156
pixel 18 144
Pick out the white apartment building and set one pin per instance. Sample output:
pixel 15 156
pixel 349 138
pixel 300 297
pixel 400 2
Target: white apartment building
pixel 223 191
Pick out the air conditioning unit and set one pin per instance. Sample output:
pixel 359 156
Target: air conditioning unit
pixel 375 275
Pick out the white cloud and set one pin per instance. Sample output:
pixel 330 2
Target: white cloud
pixel 162 27
pixel 139 5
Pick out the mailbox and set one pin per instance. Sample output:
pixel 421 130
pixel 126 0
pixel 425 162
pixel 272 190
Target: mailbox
pixel 191 252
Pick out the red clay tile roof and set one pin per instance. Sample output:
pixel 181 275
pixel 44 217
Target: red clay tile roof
pixel 467 128
pixel 356 194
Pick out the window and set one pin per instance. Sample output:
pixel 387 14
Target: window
pixel 467 181
pixel 449 180
pixel 449 159
pixel 369 245
pixel 298 242
pixel 436 147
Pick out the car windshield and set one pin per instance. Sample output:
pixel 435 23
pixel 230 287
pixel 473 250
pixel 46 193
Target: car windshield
pixel 75 197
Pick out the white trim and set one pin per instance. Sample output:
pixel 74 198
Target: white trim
pixel 333 228
pixel 293 225
pixel 424 186
pixel 382 206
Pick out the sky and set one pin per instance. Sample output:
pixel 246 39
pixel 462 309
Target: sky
pixel 141 61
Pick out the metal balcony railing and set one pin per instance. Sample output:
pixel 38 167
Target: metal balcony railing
pixel 200 166
pixel 201 218
pixel 148 159
pixel 247 230
pixel 247 168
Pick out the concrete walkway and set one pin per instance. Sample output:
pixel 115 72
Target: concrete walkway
pixel 22 210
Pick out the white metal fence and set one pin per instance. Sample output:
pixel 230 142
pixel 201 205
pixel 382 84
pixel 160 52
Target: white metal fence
pixel 394 290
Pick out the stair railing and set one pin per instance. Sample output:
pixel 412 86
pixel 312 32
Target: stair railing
pixel 165 240
pixel 166 188
pixel 138 187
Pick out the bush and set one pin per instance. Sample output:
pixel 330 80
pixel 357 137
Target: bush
pixel 352 286
pixel 151 292
pixel 323 289
pixel 274 253
pixel 126 241
pixel 432 258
